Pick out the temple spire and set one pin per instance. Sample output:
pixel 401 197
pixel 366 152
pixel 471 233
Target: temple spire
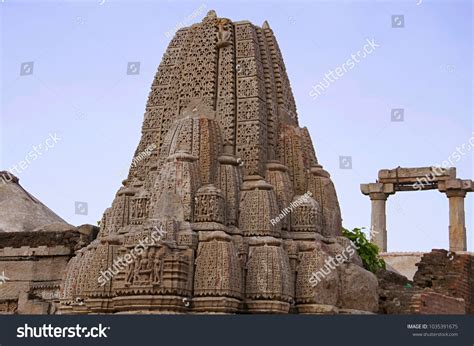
pixel 210 15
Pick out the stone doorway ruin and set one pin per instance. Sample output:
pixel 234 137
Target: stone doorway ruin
pixel 399 179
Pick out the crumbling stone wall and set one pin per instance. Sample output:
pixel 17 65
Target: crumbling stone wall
pixel 443 284
pixel 429 302
pixel 34 263
pixel 395 292
pixel 73 239
pixel 448 273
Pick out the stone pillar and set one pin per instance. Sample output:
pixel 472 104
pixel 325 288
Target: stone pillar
pixel 378 227
pixel 378 194
pixel 456 190
pixel 457 225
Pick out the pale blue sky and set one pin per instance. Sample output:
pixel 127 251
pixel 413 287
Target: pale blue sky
pixel 79 90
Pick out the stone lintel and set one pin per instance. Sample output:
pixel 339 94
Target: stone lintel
pixel 371 188
pixel 456 184
pixel 414 175
pixel 468 185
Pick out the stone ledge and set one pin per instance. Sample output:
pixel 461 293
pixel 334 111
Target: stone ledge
pixel 57 250
pixel 402 253
pixel 76 237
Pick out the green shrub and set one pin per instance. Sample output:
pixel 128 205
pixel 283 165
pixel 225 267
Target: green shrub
pixel 368 252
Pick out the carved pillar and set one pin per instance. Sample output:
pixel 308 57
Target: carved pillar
pixel 457 225
pixel 378 194
pixel 378 227
pixel 456 190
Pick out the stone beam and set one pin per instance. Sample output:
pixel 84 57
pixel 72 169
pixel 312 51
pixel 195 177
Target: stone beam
pixel 414 175
pixel 456 184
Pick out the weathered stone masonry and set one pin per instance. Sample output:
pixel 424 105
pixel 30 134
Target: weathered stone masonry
pixel 230 156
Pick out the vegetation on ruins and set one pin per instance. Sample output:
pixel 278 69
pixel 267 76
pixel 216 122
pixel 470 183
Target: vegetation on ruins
pixel 368 252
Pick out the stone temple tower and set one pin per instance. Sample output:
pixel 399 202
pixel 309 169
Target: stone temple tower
pixel 244 212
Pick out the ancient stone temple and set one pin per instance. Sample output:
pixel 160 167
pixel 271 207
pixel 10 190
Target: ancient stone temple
pixel 231 212
pixel 35 248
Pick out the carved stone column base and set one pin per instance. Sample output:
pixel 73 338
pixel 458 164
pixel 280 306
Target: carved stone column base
pixel 267 307
pixel 100 305
pixel 76 310
pixel 64 307
pixel 151 304
pixel 224 305
pixel 355 312
pixel 317 309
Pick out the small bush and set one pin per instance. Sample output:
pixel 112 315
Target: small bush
pixel 368 252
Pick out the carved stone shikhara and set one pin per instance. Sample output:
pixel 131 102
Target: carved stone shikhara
pixel 230 157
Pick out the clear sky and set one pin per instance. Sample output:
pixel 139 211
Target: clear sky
pixel 78 92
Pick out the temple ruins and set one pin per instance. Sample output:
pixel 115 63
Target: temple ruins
pixel 400 179
pixel 230 159
pixel 229 211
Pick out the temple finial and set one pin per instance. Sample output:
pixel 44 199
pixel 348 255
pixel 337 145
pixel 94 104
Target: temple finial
pixel 211 15
pixel 265 25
